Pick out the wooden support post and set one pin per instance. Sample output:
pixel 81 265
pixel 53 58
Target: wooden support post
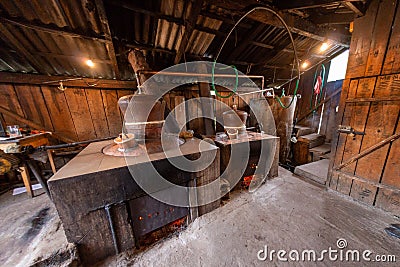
pixel 26 179
pixel 51 160
pixel 138 63
pixel 32 165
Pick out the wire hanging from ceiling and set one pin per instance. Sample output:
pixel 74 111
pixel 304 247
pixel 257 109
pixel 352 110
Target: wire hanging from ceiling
pixel 297 62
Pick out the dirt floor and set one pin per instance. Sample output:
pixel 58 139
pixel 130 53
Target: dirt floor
pixel 286 213
pixel 31 232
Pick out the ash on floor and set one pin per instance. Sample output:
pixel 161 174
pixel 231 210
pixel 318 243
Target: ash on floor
pixel 31 233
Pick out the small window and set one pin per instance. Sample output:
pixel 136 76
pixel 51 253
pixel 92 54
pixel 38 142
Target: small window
pixel 337 71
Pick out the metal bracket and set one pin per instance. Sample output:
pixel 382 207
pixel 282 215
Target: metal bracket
pixel 349 130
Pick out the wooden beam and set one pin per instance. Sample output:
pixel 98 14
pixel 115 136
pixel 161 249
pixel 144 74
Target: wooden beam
pixel 157 15
pixel 33 124
pixel 12 40
pixel 150 48
pixel 333 19
pixel 246 40
pixel 20 78
pixel 296 24
pixel 306 4
pixel 368 151
pixel 49 29
pixel 372 99
pixel 130 5
pixel 261 45
pixel 224 19
pixel 355 7
pixel 107 34
pixel 189 27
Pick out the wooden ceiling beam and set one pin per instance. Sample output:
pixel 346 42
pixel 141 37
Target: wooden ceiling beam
pixel 296 24
pixel 189 28
pixel 150 48
pixel 247 39
pixel 261 44
pixel 130 5
pixel 244 63
pixel 306 4
pixel 49 29
pixel 36 79
pixel 107 34
pixel 357 8
pixel 333 19
pixel 157 15
pixel 225 19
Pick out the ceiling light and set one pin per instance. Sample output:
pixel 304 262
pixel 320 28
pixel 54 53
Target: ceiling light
pixel 305 64
pixel 324 46
pixel 90 63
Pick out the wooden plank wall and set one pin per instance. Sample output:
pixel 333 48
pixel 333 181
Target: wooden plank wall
pixel 373 71
pixel 77 113
pixel 82 114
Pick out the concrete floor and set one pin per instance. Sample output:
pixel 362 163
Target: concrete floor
pixel 31 232
pixel 316 171
pixel 285 213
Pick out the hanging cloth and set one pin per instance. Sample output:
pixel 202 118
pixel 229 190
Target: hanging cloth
pixel 317 86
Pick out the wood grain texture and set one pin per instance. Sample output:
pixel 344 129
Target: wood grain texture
pixel 388 200
pixel 374 178
pixel 34 106
pixel 380 125
pixel 361 42
pixel 98 115
pixel 350 91
pixel 380 37
pixel 358 117
pixel 110 99
pixel 391 174
pixel 59 112
pixel 78 106
pixel 392 61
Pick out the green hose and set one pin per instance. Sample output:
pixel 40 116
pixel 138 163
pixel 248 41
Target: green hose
pixel 213 85
pixel 291 101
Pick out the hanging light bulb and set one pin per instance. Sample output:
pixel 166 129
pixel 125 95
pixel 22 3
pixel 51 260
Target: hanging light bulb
pixel 324 47
pixel 305 64
pixel 90 63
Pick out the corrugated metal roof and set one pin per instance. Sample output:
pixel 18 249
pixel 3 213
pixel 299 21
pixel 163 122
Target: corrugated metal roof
pixel 157 26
